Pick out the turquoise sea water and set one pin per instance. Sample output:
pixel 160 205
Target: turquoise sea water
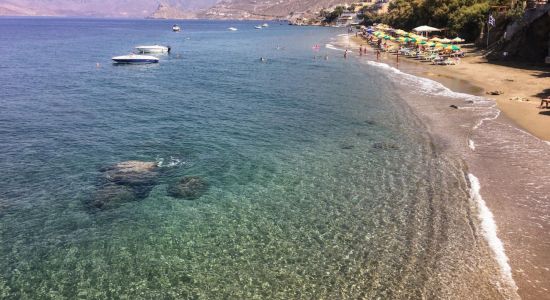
pixel 322 183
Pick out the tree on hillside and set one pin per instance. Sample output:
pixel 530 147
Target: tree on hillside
pixel 465 18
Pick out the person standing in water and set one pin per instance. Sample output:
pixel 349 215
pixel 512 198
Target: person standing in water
pixel 361 50
pixel 346 54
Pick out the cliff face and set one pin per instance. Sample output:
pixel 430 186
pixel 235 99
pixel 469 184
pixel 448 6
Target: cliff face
pixel 266 9
pixel 170 12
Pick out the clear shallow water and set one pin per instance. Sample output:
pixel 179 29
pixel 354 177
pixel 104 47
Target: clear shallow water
pixel 322 183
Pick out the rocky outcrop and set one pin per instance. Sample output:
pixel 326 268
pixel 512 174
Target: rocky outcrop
pixel 188 187
pixel 125 182
pixel 132 173
pixel 527 39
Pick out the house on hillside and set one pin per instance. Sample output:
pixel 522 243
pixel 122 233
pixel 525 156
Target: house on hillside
pixel 347 19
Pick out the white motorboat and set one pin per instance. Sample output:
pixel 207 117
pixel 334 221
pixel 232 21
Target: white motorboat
pixel 135 59
pixel 176 28
pixel 232 28
pixel 153 49
pixel 258 27
pixel 265 25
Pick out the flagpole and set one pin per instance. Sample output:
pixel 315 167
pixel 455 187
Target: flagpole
pixel 488 28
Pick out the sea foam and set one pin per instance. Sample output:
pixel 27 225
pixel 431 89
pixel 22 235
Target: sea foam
pixel 488 225
pixel 489 229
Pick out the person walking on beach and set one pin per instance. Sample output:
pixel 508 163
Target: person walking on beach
pixel 361 50
pixel 377 54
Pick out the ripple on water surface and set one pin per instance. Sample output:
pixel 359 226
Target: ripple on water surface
pixel 319 185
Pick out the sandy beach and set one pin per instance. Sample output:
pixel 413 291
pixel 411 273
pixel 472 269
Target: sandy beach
pixel 510 164
pixel 522 86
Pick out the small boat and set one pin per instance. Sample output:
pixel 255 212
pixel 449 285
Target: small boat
pixel 258 27
pixel 153 49
pixel 135 59
pixel 176 28
pixel 232 28
pixel 265 25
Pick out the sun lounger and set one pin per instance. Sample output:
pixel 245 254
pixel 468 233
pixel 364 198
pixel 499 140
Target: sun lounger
pixel 545 101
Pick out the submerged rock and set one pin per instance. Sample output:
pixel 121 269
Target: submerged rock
pixel 385 146
pixel 111 196
pixel 188 187
pixel 132 173
pixel 346 147
pixel 453 106
pixel 125 182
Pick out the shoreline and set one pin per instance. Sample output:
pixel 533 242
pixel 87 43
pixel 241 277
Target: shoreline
pixel 511 177
pixel 522 86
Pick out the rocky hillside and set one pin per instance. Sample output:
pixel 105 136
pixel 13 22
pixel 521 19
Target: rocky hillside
pixel 266 9
pixel 9 9
pixel 99 8
pixel 171 12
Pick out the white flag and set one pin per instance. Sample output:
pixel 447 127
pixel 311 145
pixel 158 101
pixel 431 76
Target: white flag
pixel 492 21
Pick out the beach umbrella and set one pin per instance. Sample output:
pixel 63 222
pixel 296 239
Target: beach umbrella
pixel 455 47
pixel 432 44
pixel 445 41
pixel 421 42
pixel 457 40
pixel 370 30
pixel 401 32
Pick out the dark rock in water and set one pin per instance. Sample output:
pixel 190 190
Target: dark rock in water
pixel 385 146
pixel 346 147
pixel 453 106
pixel 188 187
pixel 124 182
pixel 112 196
pixel 370 122
pixel 470 101
pixel 496 93
pixel 132 173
